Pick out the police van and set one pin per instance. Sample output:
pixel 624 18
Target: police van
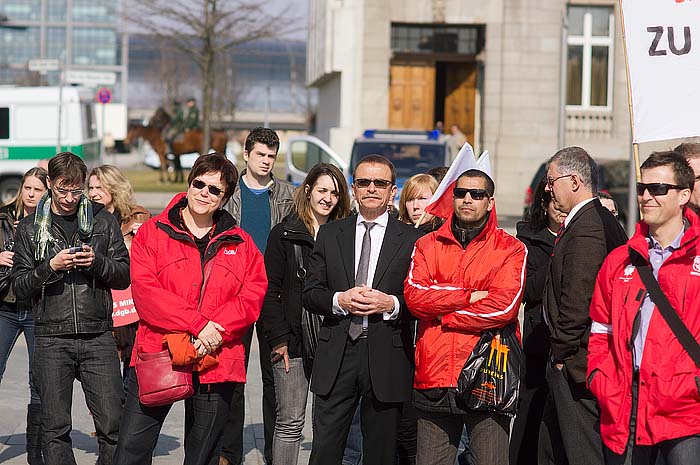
pixel 411 152
pixel 29 130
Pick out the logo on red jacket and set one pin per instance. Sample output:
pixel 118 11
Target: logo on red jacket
pixel 629 270
pixel 230 250
pixel 696 266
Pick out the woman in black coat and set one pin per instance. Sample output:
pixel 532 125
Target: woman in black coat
pixel 322 197
pixel 538 232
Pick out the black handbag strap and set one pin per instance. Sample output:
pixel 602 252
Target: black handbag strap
pixel 680 330
pixel 301 271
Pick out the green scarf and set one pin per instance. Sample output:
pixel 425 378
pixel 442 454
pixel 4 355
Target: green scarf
pixel 42 224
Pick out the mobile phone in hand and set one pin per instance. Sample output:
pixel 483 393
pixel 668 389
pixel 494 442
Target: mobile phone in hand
pixel 75 249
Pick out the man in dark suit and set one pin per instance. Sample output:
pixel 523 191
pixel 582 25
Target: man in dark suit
pixel 569 432
pixel 365 348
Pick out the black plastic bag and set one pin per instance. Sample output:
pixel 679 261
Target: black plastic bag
pixel 490 378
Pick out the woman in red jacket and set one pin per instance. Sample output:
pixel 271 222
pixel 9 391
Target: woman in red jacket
pixel 194 272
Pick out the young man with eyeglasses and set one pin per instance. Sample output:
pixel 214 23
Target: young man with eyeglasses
pixel 465 277
pixel 258 203
pixel 645 381
pixel 68 256
pixel 365 347
pixel 569 432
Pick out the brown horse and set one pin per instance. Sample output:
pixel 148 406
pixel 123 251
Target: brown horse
pixel 154 137
pixel 188 142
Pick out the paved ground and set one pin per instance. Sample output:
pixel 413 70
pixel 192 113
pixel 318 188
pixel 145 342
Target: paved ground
pixel 14 396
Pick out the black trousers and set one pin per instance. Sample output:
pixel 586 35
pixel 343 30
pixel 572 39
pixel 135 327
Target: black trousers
pixel 333 414
pixel 205 415
pixel 232 439
pixel 569 433
pixel 524 438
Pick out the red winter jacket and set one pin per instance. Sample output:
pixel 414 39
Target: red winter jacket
pixel 166 282
pixel 669 382
pixel 439 284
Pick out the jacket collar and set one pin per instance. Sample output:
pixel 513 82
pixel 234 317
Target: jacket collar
pixel 639 243
pixel 445 231
pixel 271 189
pixel 224 222
pixel 294 228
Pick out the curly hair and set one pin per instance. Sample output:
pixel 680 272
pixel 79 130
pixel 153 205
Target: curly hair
pixel 116 184
pixel 265 136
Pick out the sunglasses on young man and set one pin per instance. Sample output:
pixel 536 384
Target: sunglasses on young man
pixel 378 183
pixel 213 190
pixel 475 194
pixel 656 188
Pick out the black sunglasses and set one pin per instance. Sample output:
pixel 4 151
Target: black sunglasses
pixel 378 183
pixel 476 194
pixel 213 190
pixel 656 188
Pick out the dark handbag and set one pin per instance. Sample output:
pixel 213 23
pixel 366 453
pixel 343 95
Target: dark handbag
pixel 310 322
pixel 490 378
pixel 680 330
pixel 161 383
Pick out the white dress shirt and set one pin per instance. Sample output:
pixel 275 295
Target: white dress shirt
pixel 377 237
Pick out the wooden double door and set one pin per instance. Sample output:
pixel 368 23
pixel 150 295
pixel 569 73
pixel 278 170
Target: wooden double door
pixel 422 93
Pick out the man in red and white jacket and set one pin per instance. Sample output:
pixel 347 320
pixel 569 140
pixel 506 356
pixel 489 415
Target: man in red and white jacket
pixel 647 386
pixel 464 278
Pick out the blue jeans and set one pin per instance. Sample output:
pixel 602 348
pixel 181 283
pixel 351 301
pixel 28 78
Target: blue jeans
pixel 92 357
pixel 12 324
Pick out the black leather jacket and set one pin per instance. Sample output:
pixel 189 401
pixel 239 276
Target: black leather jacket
pixel 77 301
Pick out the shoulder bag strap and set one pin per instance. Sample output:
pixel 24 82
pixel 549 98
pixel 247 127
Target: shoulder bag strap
pixel 301 271
pixel 680 330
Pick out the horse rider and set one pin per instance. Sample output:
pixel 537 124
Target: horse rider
pixel 182 123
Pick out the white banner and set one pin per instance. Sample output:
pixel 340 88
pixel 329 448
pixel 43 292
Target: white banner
pixel 663 50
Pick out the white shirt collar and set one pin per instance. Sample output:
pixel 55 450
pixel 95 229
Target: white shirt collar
pixel 382 220
pixel 575 210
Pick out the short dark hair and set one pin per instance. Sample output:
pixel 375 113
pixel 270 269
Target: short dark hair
pixel 265 136
pixel 378 160
pixel 688 150
pixel 682 172
pixel 438 172
pixel 575 160
pixel 490 186
pixel 68 166
pixel 216 162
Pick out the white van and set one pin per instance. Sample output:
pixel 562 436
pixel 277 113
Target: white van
pixel 29 130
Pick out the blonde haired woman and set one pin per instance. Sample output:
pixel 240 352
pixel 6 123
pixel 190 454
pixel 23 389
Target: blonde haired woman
pixel 415 195
pixel 108 186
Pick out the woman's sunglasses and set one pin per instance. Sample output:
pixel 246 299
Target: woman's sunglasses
pixel 656 188
pixel 213 190
pixel 476 194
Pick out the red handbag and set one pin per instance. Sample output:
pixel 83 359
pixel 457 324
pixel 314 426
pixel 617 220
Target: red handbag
pixel 161 383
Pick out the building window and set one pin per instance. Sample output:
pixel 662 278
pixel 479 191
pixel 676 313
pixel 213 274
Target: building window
pixel 56 10
pixel 17 46
pixel 590 57
pixel 430 38
pixel 4 123
pixel 94 46
pixel 55 41
pixel 21 10
pixel 94 11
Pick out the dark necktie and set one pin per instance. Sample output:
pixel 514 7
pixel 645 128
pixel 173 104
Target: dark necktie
pixel 559 233
pixel 355 329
